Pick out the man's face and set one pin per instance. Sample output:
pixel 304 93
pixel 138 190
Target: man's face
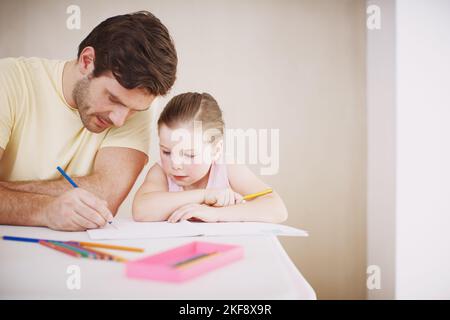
pixel 102 102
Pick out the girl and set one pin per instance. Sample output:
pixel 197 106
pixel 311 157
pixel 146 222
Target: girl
pixel 191 182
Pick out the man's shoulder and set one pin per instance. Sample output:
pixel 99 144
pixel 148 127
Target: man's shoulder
pixel 27 64
pixel 9 66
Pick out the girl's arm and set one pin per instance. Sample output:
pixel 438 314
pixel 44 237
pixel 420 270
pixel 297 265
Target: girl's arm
pixel 154 202
pixel 267 208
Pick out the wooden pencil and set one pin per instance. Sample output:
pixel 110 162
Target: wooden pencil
pixel 193 260
pixel 79 243
pixel 106 255
pixel 84 253
pixel 107 246
pixel 60 249
pixel 258 194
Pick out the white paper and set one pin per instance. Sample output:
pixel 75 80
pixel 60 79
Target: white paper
pixel 129 229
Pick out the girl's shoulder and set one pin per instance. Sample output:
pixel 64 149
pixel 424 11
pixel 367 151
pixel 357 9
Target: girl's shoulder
pixel 235 170
pixel 156 167
pixel 156 173
pixel 243 180
pixel 155 180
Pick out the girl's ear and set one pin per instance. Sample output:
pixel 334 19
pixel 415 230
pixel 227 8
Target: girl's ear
pixel 218 150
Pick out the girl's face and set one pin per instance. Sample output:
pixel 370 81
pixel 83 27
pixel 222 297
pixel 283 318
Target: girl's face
pixel 185 156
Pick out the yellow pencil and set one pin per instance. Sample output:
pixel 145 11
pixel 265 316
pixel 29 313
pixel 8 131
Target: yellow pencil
pixel 107 246
pixel 258 194
pixel 195 260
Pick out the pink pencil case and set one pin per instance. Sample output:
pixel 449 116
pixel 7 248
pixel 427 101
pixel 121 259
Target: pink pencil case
pixel 184 262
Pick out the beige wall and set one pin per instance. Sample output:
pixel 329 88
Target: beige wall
pixel 408 72
pixel 381 150
pixel 294 65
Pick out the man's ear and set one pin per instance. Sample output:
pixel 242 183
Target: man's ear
pixel 86 61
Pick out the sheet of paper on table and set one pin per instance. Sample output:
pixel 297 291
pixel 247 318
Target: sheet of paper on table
pixel 124 228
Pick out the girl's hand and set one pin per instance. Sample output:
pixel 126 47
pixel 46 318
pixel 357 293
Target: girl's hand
pixel 195 211
pixel 222 197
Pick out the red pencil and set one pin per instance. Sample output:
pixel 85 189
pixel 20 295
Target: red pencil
pixel 58 248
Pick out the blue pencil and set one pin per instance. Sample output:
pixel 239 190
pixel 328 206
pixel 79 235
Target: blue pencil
pixel 65 175
pixel 20 239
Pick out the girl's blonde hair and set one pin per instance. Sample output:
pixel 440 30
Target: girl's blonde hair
pixel 194 106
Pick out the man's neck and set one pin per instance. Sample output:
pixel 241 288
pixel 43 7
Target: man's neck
pixel 69 79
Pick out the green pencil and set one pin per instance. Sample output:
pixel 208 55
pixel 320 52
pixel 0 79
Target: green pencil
pixel 84 253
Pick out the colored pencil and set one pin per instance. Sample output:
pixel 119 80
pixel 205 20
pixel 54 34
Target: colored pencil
pixel 68 178
pixel 65 175
pixel 22 239
pixel 96 254
pixel 83 252
pixel 59 248
pixel 105 256
pixel 197 256
pixel 79 243
pixel 109 246
pixel 193 260
pixel 258 194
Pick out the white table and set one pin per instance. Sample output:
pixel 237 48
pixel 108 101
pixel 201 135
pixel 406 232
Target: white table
pixel 32 271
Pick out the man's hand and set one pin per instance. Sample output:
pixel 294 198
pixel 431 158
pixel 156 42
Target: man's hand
pixel 55 204
pixel 76 210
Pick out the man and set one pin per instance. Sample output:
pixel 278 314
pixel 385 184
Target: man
pixel 90 116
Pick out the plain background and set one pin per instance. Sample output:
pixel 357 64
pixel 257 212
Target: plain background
pixel 408 101
pixel 297 66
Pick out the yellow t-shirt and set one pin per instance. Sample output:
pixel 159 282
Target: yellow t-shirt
pixel 40 131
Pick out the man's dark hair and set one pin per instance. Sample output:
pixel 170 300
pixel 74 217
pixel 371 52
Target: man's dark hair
pixel 137 49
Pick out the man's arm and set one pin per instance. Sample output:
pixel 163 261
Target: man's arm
pixel 115 171
pixel 29 204
pixel 74 209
